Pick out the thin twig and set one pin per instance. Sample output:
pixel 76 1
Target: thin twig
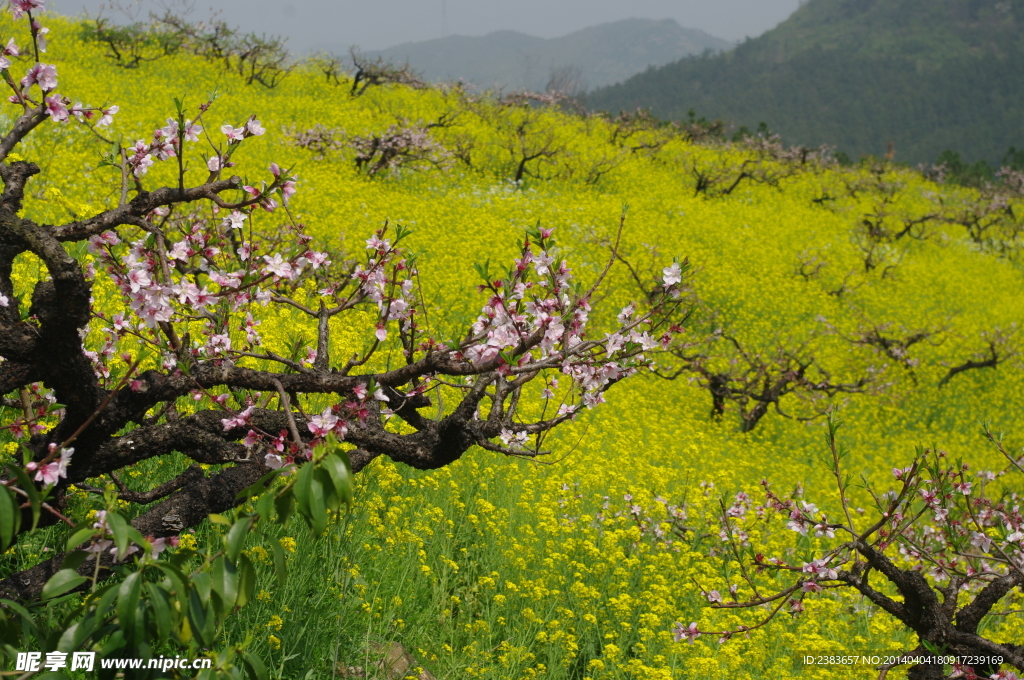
pixel 287 407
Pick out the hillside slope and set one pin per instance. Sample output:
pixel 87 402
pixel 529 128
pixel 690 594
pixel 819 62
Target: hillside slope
pixel 926 75
pixel 604 54
pixel 499 567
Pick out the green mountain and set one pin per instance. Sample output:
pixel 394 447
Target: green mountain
pixel 926 75
pixel 594 57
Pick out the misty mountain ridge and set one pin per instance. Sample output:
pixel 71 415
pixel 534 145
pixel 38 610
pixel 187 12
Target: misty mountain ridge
pixel 927 75
pixel 593 57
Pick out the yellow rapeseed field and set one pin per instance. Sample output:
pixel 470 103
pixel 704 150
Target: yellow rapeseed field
pixel 571 568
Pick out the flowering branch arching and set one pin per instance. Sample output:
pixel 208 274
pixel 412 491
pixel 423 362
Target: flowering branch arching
pixel 948 543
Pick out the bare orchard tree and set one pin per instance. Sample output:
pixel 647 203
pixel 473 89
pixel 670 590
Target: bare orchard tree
pixel 402 145
pixel 752 377
pixel 319 139
pixel 639 131
pixel 765 161
pixel 133 44
pixel 369 72
pixel 256 58
pixel 569 82
pixel 992 218
pixel 939 551
pixel 94 387
pixel 1000 346
pixel 756 380
pixel 893 342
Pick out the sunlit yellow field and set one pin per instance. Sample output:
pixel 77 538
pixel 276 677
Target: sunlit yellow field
pixel 508 569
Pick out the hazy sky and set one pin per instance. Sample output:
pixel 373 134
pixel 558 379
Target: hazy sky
pixel 377 24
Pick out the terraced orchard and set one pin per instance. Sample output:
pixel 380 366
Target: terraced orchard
pixel 396 380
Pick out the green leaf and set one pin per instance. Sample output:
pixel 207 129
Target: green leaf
pixel 107 595
pixel 114 642
pixel 216 607
pixel 257 669
pixel 265 507
pixel 257 489
pixel 61 582
pixel 285 504
pixel 317 508
pixel 10 518
pixel 135 536
pixel 280 565
pixel 246 580
pixel 181 557
pixel 329 492
pixel 28 487
pixel 71 639
pixel 26 617
pixel 162 615
pixel 202 583
pixel 177 579
pixel 128 600
pixel 74 559
pixel 219 519
pixel 303 488
pixel 225 583
pixel 200 623
pixel 79 537
pixel 484 270
pixel 119 528
pixel 337 466
pixel 236 537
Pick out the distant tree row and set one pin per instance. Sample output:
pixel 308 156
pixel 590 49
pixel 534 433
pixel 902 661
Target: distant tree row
pixel 858 103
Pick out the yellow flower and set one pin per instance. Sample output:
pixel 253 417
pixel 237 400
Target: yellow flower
pixel 573 562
